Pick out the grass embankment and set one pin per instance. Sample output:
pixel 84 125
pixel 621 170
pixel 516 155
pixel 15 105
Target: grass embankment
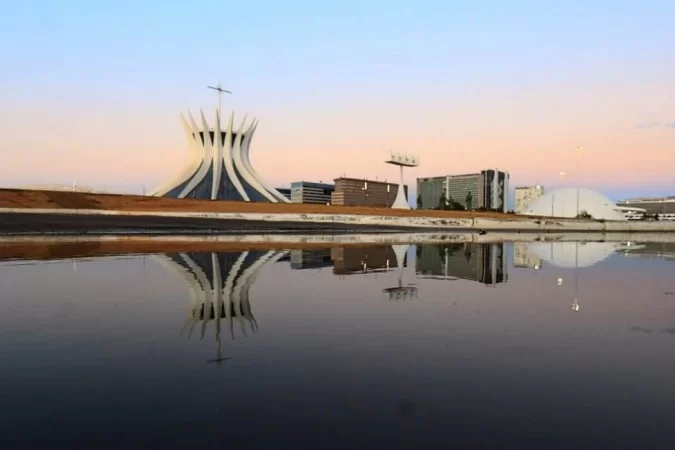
pixel 19 198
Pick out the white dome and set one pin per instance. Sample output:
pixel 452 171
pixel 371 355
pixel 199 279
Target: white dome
pixel 563 203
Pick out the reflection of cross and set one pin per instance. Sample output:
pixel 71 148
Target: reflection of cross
pixel 219 358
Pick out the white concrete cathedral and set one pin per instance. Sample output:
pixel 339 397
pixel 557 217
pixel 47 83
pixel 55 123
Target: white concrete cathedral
pixel 219 169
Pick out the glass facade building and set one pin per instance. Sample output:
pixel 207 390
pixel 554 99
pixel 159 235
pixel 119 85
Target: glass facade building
pixel 487 189
pixel 309 192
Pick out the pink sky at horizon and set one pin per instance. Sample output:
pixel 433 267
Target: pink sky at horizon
pixel 532 132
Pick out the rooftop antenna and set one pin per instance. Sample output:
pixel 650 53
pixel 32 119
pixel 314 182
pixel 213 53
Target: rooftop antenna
pixel 220 91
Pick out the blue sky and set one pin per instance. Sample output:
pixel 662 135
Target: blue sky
pixel 320 62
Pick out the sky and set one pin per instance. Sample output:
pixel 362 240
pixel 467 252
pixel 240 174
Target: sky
pixel 92 91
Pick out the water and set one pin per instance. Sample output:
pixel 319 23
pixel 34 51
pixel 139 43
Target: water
pixel 537 345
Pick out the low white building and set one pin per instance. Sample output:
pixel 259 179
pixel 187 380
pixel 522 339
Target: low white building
pixel 524 196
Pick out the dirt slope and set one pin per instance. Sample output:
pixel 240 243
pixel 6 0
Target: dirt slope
pixel 16 198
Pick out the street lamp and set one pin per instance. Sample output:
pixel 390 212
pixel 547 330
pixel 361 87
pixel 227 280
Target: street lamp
pixel 562 175
pixel 579 149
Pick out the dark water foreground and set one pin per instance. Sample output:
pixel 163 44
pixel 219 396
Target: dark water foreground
pixel 542 345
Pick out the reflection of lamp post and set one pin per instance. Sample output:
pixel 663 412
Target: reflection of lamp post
pixel 575 304
pixel 401 292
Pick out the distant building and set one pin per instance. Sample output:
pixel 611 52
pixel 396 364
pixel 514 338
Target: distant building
pixel 526 195
pixel 360 192
pixel 487 189
pixel 309 192
pixel 484 263
pixel 664 207
pixel 285 192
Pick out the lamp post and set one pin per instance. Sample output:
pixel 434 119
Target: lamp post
pixel 562 175
pixel 579 149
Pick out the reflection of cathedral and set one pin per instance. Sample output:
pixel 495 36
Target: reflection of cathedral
pixel 484 263
pixel 219 287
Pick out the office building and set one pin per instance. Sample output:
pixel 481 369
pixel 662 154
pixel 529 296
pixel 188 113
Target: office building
pixel 360 192
pixel 484 263
pixel 285 192
pixel 485 190
pixel 524 196
pixel 309 192
pixel 495 189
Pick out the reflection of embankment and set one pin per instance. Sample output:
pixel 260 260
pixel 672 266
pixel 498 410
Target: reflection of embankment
pixel 219 286
pixel 68 250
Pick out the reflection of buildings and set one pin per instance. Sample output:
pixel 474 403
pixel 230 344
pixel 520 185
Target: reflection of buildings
pixel 665 250
pixel 310 259
pixel 522 257
pixel 348 260
pixel 485 263
pixel 219 286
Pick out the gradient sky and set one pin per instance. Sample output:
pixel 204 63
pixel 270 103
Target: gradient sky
pixel 92 91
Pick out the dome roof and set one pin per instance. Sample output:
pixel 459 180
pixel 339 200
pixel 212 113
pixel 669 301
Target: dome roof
pixel 563 203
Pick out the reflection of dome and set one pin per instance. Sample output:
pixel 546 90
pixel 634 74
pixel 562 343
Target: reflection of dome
pixel 563 203
pixel 564 254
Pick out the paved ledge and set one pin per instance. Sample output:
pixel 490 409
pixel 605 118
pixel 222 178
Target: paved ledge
pixel 45 220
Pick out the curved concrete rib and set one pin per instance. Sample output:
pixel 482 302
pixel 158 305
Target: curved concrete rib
pixel 208 157
pixel 196 157
pixel 227 160
pixel 217 292
pixel 247 163
pixel 217 157
pixel 242 141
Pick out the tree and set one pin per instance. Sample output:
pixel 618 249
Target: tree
pixel 419 201
pixel 454 206
pixel 442 202
pixel 469 199
pixel 450 203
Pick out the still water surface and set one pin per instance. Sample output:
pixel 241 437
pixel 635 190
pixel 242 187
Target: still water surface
pixel 536 345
